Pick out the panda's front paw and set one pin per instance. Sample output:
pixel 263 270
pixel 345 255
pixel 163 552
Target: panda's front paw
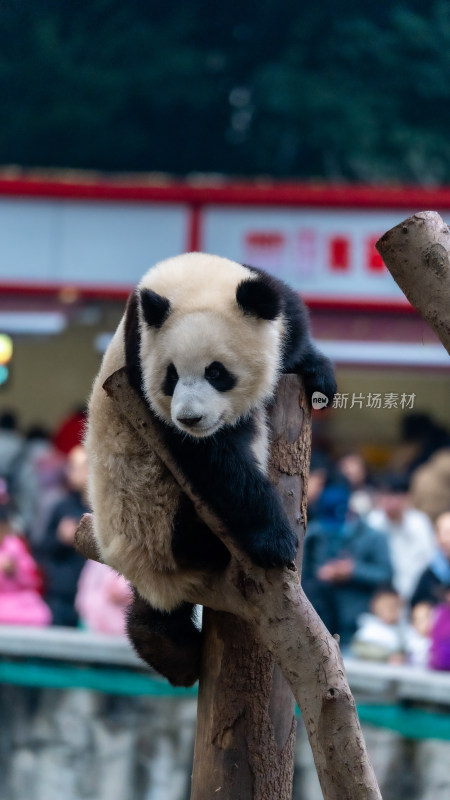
pixel 321 386
pixel 273 549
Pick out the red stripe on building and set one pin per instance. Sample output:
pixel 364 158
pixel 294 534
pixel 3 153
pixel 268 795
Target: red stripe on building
pixel 276 194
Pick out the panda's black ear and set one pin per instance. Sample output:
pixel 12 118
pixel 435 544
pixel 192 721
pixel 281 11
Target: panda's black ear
pixel 259 297
pixel 155 309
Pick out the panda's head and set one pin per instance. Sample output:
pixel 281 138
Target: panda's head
pixel 210 343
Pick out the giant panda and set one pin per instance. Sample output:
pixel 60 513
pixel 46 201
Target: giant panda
pixel 204 340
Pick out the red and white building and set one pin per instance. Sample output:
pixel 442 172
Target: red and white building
pixel 68 245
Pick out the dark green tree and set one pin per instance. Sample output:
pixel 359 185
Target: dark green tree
pixel 347 91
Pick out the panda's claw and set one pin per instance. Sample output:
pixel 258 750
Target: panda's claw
pixel 269 551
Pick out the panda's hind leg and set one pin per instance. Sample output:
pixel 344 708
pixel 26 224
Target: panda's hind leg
pixel 168 641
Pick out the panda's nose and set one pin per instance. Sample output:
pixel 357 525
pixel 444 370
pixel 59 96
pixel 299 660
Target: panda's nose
pixel 190 422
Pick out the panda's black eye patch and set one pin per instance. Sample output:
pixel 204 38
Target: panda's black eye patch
pixel 219 377
pixel 170 381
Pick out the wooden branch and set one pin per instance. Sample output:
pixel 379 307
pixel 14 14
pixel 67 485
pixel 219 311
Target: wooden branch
pixel 417 254
pixel 275 604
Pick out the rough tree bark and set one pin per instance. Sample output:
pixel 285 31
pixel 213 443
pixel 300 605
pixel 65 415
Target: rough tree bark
pixel 273 602
pixel 417 254
pixel 246 726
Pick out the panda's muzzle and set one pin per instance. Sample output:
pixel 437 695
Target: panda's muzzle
pixel 196 407
pixel 189 422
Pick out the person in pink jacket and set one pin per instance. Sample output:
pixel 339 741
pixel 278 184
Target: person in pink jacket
pixel 20 581
pixel 102 599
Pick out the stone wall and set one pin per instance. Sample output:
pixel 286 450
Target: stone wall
pixel 84 745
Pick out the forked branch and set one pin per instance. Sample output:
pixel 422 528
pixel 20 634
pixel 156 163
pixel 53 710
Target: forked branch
pixel 275 604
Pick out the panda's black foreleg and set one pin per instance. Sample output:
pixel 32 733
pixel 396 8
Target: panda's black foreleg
pixel 223 471
pixel 168 641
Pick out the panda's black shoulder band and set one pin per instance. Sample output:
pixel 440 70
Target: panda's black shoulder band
pixel 133 342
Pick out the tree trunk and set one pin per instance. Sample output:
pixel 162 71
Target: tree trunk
pixel 244 747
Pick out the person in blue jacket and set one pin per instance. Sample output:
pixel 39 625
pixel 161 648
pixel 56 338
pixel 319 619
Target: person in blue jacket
pixel 344 563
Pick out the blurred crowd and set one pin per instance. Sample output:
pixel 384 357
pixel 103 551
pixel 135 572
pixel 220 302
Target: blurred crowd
pixel 43 580
pixel 376 563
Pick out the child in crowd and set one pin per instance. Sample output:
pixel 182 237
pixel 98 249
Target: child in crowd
pixel 440 634
pixel 417 635
pixel 20 581
pixel 437 573
pixel 379 636
pixel 102 599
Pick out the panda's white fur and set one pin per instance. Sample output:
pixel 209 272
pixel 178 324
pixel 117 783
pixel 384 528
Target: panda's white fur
pixel 203 340
pixel 133 496
pixel 205 324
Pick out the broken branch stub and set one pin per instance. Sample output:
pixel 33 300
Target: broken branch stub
pixel 417 254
